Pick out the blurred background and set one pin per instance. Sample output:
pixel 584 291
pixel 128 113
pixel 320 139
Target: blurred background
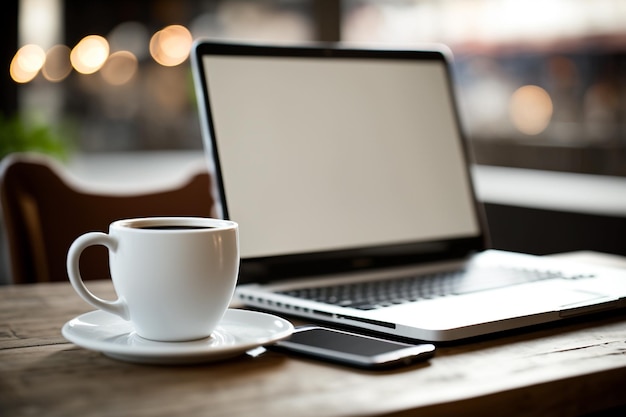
pixel 105 86
pixel 542 83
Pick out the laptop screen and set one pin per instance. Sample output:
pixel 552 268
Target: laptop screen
pixel 329 152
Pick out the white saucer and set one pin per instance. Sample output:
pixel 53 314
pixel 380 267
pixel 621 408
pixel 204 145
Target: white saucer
pixel 238 332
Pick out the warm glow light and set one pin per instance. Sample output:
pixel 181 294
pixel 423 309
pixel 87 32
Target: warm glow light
pixel 171 46
pixel 19 75
pixel 90 54
pixel 31 58
pixel 57 66
pixel 119 68
pixel 531 109
pixel 27 62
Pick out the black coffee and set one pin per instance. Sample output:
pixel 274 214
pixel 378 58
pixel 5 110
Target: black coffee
pixel 174 227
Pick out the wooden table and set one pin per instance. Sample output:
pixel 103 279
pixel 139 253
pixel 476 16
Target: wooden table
pixel 575 368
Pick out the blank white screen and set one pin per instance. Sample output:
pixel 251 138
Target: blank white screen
pixel 337 153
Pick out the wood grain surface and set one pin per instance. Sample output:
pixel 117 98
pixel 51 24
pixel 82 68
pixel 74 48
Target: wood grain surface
pixel 573 368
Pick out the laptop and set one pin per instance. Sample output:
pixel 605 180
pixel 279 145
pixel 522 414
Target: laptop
pixel 348 173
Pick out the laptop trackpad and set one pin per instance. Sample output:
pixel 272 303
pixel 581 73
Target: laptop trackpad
pixel 573 298
pixel 582 302
pixel 497 305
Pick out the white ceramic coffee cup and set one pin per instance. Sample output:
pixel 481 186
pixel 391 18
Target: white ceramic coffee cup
pixel 174 276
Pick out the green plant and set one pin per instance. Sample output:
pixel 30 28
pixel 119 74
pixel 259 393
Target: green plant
pixel 18 135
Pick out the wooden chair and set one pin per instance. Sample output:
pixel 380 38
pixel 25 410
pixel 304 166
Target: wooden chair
pixel 44 210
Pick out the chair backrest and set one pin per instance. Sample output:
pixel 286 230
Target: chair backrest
pixel 44 210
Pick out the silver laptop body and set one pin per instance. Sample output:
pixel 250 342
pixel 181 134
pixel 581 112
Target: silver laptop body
pixel 347 171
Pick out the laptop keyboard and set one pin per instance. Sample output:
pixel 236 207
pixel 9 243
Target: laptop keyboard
pixel 380 294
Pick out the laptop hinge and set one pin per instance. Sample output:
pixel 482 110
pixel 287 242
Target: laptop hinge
pixel 359 319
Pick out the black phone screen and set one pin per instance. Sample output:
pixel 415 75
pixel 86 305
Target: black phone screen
pixel 345 342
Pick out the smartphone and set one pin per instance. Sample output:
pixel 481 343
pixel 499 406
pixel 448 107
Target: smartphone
pixel 353 349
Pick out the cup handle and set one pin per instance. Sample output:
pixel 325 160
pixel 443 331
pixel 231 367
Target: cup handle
pixel 117 307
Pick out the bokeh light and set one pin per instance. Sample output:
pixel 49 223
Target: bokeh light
pixel 90 54
pixel 531 109
pixel 171 45
pixel 57 66
pixel 27 62
pixel 119 68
